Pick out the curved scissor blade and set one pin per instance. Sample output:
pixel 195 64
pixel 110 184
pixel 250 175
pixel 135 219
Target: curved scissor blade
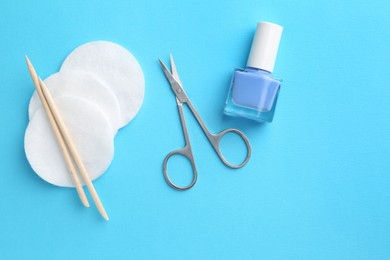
pixel 175 84
pixel 167 73
pixel 174 69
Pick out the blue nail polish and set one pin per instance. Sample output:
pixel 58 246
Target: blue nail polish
pixel 254 90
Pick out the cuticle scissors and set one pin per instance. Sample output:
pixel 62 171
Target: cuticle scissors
pixel 214 139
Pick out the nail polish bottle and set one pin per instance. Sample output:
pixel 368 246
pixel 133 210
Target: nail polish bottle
pixel 254 90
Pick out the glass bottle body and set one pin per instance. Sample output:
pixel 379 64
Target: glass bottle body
pixel 253 94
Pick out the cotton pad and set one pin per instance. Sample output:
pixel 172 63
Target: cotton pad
pixel 116 68
pixel 91 133
pixel 82 85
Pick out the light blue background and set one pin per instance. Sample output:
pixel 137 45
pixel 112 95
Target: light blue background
pixel 317 185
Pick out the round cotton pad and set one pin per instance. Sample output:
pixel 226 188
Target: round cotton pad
pixel 91 133
pixel 83 85
pixel 116 68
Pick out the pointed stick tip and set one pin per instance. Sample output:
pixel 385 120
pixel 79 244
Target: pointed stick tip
pixel 28 61
pixel 85 202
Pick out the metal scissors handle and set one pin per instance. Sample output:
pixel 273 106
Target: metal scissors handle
pixel 186 151
pixel 214 139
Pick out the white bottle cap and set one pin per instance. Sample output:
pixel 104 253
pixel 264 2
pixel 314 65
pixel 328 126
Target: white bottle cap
pixel 265 46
